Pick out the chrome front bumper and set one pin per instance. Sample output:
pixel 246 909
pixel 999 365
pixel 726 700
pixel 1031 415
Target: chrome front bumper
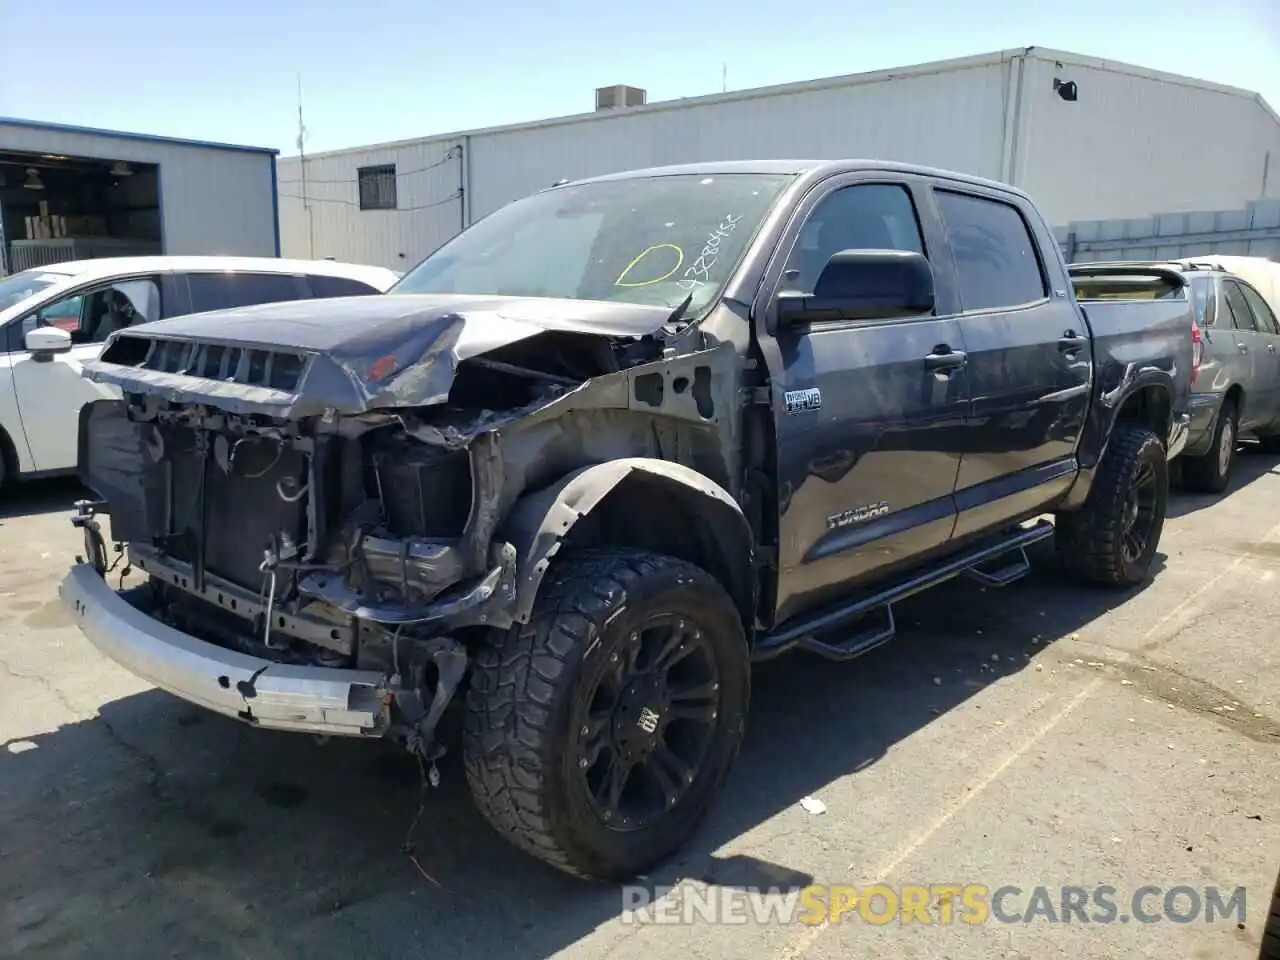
pixel 302 699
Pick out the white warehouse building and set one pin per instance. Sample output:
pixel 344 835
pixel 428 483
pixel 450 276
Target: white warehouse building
pixel 1089 139
pixel 72 193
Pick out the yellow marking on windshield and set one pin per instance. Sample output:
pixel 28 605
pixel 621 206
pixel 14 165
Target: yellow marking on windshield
pixel 644 253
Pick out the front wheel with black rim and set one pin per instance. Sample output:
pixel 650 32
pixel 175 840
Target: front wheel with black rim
pixel 1211 472
pixel 598 736
pixel 1111 541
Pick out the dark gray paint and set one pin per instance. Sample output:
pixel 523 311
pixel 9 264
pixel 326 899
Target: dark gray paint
pixel 1016 430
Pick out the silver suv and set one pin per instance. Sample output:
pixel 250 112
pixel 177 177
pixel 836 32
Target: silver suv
pixel 1236 368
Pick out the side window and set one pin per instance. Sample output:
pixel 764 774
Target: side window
pixel 996 260
pixel 322 287
pixel 871 216
pixel 91 316
pixel 218 291
pixel 1239 307
pixel 64 313
pixel 1264 319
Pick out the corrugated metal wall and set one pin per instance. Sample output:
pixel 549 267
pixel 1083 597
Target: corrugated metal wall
pixel 330 223
pixel 1253 231
pixel 213 200
pixel 1132 146
pixel 950 118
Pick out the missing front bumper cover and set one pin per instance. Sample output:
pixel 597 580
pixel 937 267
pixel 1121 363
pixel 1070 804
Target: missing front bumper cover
pixel 320 700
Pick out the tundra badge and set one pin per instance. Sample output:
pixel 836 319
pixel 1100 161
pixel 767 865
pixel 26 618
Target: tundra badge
pixel 857 515
pixel 800 401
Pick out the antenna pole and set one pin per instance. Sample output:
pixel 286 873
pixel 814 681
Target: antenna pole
pixel 302 166
pixel 724 78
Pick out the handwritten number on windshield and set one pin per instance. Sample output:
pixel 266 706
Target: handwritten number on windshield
pixel 699 271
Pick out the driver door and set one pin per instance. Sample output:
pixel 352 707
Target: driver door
pixel 869 428
pixel 49 387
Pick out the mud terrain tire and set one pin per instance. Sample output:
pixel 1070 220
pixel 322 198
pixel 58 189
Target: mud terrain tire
pixel 533 724
pixel 1111 541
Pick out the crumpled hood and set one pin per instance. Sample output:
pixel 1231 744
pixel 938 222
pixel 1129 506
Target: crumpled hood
pixel 349 355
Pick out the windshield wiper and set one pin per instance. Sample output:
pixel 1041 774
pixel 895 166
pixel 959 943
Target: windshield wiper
pixel 678 312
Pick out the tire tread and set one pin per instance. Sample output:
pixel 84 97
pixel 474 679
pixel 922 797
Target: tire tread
pixel 514 683
pixel 1088 540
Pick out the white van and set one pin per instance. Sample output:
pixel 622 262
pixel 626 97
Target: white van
pixel 55 317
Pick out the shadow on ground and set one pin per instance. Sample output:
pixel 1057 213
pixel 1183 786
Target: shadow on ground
pixel 35 497
pixel 157 829
pixel 1251 465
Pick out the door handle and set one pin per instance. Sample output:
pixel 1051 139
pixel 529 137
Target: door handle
pixel 944 358
pixel 1069 342
pixel 1242 347
pixel 1271 348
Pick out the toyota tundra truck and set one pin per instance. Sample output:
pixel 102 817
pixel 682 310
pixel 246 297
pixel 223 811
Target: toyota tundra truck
pixel 599 452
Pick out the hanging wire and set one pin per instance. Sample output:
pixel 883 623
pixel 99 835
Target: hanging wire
pixel 452 153
pixel 456 195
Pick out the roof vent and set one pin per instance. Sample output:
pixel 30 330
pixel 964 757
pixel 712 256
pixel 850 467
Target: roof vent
pixel 613 98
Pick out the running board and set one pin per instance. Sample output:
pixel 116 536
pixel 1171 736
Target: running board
pixel 809 633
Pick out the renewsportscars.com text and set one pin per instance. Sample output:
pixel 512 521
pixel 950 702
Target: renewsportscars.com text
pixel 938 903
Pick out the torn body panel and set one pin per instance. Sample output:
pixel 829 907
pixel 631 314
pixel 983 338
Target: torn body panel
pixel 371 538
pixel 344 356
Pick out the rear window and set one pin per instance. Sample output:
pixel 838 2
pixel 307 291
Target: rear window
pixel 995 256
pixel 1137 287
pixel 219 291
pixel 322 286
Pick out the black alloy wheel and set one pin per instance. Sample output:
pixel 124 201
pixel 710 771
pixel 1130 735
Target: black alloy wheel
pixel 598 736
pixel 1141 510
pixel 644 728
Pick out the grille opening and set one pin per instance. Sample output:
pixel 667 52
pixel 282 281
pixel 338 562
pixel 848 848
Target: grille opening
pixel 129 351
pixel 280 370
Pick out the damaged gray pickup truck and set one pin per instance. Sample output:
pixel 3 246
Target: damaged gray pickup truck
pixel 600 451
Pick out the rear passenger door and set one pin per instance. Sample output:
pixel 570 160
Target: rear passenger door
pixel 1030 360
pixel 1253 367
pixel 1267 358
pixel 222 290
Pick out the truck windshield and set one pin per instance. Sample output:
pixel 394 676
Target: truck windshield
pixel 26 284
pixel 649 240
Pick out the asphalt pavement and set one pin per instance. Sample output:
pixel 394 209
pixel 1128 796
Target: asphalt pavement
pixel 1038 736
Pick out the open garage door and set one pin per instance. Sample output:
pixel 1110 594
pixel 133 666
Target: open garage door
pixel 56 208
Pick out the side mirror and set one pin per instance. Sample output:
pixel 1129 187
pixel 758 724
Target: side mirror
pixel 863 285
pixel 44 342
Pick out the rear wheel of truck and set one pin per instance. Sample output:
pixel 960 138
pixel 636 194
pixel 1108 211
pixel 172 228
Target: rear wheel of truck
pixel 598 735
pixel 1211 472
pixel 1111 541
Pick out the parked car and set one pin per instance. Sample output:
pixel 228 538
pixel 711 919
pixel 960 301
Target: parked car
pixel 1236 391
pixel 54 318
pixel 603 449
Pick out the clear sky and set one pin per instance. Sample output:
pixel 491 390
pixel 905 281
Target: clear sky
pixel 389 69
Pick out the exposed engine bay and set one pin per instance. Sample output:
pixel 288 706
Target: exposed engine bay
pixel 378 500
